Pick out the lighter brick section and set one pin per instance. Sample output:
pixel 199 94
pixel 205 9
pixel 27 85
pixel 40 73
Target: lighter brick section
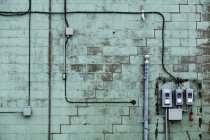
pixel 86 129
pixel 119 50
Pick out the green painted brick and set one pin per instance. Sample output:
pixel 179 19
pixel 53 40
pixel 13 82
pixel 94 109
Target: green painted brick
pixel 202 25
pixel 85 129
pixel 60 136
pixel 122 136
pixel 186 17
pixel 188 8
pixel 121 42
pixel 100 111
pixel 94 136
pixel 127 128
pixel 181 25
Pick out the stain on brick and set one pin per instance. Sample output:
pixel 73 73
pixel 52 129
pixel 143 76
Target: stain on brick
pixel 94 51
pixel 206 50
pixel 206 17
pixel 208 8
pixel 206 76
pixel 206 67
pixel 206 59
pixel 78 67
pixel 105 76
pixel 143 50
pixel 138 42
pixel 208 99
pixel 94 67
pixel 113 68
pixel 89 94
pixel 188 59
pixel 181 68
pixel 204 33
pixel 106 42
pixel 107 59
pixel 199 68
pixel 209 129
pixel 104 111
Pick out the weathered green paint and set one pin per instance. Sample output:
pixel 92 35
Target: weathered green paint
pixel 104 62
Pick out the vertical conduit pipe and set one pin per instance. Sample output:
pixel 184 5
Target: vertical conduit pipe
pixel 29 54
pixel 166 124
pixel 146 68
pixel 49 72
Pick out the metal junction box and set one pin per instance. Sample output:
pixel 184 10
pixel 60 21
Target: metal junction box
pixel 175 114
pixel 27 111
pixel 166 98
pixel 179 97
pixel 189 96
pixel 69 31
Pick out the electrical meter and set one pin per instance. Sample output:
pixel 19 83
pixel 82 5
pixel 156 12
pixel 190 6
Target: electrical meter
pixel 179 97
pixel 166 98
pixel 189 96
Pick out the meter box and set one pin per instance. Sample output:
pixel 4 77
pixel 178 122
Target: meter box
pixel 166 98
pixel 189 96
pixel 175 114
pixel 179 97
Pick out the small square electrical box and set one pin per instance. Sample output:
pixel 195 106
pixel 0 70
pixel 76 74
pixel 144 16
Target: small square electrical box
pixel 179 97
pixel 166 98
pixel 69 31
pixel 27 111
pixel 189 96
pixel 175 114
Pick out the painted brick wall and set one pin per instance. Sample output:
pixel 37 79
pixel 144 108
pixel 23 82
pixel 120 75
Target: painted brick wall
pixel 105 58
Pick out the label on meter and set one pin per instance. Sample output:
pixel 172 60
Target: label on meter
pixel 167 101
pixel 179 101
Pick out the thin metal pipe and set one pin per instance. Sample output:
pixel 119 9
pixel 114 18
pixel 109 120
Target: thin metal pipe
pixel 166 124
pixel 146 69
pixel 49 71
pixel 29 55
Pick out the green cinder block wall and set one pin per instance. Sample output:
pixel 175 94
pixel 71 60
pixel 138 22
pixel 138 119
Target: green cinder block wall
pixel 105 62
